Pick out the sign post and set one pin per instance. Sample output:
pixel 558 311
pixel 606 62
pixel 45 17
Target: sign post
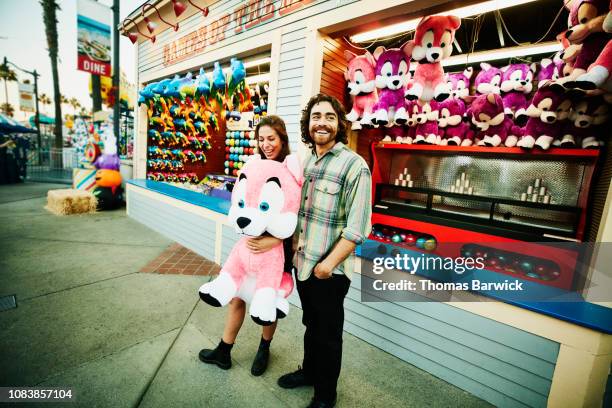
pixel 94 38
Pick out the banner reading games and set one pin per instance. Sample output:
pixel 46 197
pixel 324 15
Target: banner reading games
pixel 94 37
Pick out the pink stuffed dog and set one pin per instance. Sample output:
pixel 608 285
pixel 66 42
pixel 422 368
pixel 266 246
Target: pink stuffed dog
pixel 494 127
pixel 266 198
pixel 362 86
pixel 433 42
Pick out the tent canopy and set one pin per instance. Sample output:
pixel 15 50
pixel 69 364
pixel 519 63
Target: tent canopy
pixel 10 125
pixel 44 120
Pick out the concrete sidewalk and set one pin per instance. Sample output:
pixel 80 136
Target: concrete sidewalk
pixel 87 319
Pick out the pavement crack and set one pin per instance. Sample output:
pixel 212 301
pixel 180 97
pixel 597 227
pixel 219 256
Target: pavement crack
pixel 89 242
pixel 77 286
pixel 93 360
pixel 161 363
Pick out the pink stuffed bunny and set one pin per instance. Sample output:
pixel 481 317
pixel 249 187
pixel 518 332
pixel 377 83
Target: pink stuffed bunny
pixel 266 198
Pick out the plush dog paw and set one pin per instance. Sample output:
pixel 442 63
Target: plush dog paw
pixel 263 306
pixel 282 307
pixel 526 142
pixel 218 292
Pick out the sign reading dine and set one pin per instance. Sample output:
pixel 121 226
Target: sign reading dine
pixel 248 14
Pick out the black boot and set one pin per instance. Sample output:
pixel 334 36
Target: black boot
pixel 220 356
pixel 261 358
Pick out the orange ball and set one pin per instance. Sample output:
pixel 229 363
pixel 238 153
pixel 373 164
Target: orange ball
pixel 108 178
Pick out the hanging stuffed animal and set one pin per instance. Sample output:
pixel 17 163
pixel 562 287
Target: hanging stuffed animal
pixel 598 74
pixel 265 198
pixel 433 42
pixel 362 86
pixel 494 127
pixel 516 84
pixel 235 89
pixel 453 125
pixel 392 77
pixel 488 79
pixel 545 115
pixel 585 23
pixel 459 83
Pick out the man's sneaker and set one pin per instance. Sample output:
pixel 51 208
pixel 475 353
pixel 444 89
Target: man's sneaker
pixel 295 379
pixel 219 356
pixel 261 361
pixel 321 404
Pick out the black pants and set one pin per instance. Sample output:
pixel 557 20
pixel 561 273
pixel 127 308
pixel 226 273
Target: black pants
pixel 323 315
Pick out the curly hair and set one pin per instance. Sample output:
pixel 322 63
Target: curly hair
pixel 278 125
pixel 341 136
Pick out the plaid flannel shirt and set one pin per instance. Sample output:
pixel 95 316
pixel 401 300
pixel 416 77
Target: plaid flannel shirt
pixel 336 202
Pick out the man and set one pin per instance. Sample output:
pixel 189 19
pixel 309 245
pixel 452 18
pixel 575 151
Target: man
pixel 334 218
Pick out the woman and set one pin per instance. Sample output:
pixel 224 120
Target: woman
pixel 273 144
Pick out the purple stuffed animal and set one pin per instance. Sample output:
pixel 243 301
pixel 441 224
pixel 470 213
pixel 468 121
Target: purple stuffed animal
pixel 427 131
pixel 550 69
pixel 515 86
pixel 392 75
pixel 588 119
pixel 454 128
pixel 459 83
pixel 548 107
pixel 488 79
pixel 494 127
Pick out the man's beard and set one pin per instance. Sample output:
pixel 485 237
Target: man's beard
pixel 322 140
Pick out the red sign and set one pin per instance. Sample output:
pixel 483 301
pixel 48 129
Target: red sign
pixel 86 63
pixel 247 15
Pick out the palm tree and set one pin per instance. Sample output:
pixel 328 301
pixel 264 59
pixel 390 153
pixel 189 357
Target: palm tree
pixel 44 100
pixel 7 74
pixel 8 109
pixel 49 17
pixel 74 102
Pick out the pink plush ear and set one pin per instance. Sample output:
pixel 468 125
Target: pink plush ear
pixel 485 66
pixel 370 58
pixel 491 99
pixel 348 55
pixel 292 162
pixel 378 52
pixel 423 21
pixel 407 48
pixel 454 21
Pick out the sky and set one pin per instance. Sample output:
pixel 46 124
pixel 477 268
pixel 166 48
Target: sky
pixel 23 42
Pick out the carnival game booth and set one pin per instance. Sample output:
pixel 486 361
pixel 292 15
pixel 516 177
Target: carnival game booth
pixel 526 206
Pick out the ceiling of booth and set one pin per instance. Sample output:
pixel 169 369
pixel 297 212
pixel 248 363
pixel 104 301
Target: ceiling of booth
pixel 525 24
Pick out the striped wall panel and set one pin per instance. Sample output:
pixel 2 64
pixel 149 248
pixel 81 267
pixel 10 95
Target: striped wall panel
pixel 291 68
pixel 190 230
pixel 503 365
pixel 229 238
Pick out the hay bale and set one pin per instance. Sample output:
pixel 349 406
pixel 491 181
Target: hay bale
pixel 71 201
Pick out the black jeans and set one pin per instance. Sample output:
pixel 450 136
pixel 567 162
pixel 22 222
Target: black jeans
pixel 323 315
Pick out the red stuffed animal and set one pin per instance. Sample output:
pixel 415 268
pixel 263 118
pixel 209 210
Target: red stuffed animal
pixel 433 42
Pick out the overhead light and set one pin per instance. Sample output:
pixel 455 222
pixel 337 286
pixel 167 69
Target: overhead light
pixel 178 7
pixel 460 12
pixel 133 36
pixel 503 53
pixel 151 25
pixel 255 63
pixel 257 78
pixel 203 10
pixel 250 64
